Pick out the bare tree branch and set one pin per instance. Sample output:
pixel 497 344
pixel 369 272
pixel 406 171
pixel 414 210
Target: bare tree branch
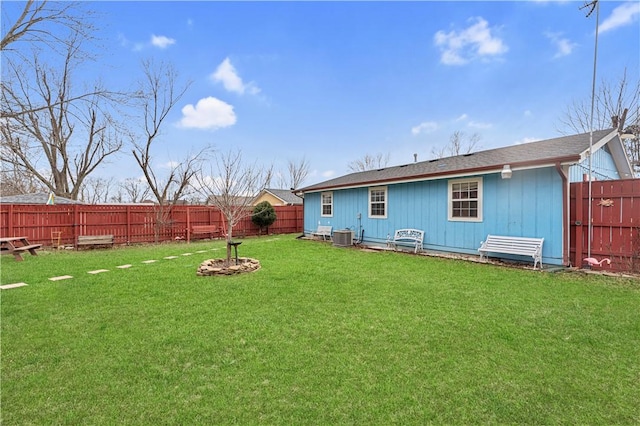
pixel 459 144
pixel 36 23
pixel 298 172
pixel 610 101
pixel 62 142
pixel 160 95
pixel 369 162
pixel 615 105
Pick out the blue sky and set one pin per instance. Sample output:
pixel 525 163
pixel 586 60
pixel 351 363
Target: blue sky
pixel 333 81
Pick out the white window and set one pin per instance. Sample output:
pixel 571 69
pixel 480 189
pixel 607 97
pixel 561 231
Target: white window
pixel 378 202
pixel 326 209
pixel 465 200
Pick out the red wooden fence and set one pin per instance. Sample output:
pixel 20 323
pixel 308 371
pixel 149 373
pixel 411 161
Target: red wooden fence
pixel 62 224
pixel 615 214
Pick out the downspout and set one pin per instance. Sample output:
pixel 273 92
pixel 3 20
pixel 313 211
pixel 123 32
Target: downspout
pixel 566 226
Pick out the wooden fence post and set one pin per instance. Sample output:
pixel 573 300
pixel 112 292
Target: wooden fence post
pixel 578 223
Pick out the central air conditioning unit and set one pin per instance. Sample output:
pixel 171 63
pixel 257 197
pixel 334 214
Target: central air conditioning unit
pixel 342 238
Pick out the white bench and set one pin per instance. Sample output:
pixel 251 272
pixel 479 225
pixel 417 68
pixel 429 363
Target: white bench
pixel 409 237
pixel 323 231
pixel 522 246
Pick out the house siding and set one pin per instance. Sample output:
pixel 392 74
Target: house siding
pixel 602 167
pixel 529 205
pixel 274 201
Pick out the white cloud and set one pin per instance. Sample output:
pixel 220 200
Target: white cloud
pixel 476 41
pixel 209 113
pixel 528 113
pixel 161 41
pixel 526 140
pixel 622 15
pixel 425 127
pixel 463 117
pixel 563 46
pixel 228 76
pixel 479 125
pixel 328 173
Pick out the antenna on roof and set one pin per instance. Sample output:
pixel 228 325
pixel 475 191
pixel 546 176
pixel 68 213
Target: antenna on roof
pixel 591 5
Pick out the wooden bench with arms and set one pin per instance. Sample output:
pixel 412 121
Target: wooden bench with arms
pixel 210 230
pixel 522 246
pixel 406 237
pixel 323 231
pixel 95 240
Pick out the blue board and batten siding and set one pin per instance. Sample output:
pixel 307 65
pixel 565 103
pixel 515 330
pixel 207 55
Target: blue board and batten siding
pixel 527 205
pixel 602 167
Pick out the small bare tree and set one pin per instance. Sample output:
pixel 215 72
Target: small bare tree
pixel 231 186
pixel 369 162
pixel 459 144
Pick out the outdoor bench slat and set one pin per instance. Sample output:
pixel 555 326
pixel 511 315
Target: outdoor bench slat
pixel 31 247
pixel 323 231
pixel 406 237
pixel 95 240
pixel 523 246
pixel 205 229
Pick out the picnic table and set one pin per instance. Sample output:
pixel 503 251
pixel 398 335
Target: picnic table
pixel 16 246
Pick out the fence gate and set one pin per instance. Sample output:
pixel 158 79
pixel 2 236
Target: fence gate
pixel 615 223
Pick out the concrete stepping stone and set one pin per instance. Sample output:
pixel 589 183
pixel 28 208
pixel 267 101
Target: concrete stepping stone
pixel 201 251
pixel 149 261
pixel 98 271
pixel 187 254
pixel 171 257
pixel 124 266
pixel 15 285
pixel 62 277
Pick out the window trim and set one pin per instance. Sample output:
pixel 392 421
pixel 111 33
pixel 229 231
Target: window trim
pixel 322 204
pixel 450 200
pixel 386 202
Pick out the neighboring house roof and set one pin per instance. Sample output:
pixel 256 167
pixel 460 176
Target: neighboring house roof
pixel 564 150
pixel 38 198
pixel 232 200
pixel 285 195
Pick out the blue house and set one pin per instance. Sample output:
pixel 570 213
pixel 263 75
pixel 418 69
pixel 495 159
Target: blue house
pixel 520 191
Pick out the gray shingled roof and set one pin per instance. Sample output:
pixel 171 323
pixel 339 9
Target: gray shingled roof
pixel 37 198
pixel 563 149
pixel 285 195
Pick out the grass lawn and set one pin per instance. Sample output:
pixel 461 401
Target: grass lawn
pixel 319 335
